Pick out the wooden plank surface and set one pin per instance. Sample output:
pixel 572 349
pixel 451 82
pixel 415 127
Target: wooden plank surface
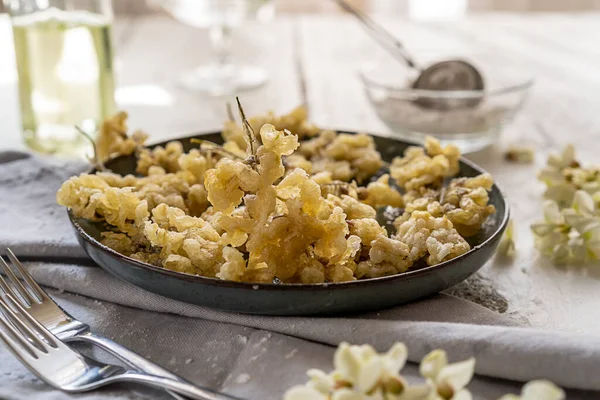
pixel 316 59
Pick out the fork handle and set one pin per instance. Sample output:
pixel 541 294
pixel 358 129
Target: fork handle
pixel 131 358
pixel 135 361
pixel 184 388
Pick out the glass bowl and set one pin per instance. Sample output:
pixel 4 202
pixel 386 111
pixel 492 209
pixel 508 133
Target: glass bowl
pixel 470 119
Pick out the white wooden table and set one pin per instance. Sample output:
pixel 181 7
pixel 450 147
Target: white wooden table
pixel 315 58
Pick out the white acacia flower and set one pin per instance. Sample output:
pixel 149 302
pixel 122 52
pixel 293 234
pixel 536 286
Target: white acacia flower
pixel 570 235
pixel 360 366
pixel 304 393
pixel 507 244
pixel 563 176
pixel 538 390
pixel 444 381
pixel 449 380
pixel 563 160
pixel 361 374
pixel 519 154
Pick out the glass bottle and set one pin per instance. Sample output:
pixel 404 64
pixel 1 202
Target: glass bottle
pixel 64 61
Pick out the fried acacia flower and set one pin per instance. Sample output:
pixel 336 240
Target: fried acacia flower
pixel 194 241
pixel 380 194
pixel 392 252
pixel 345 156
pixel 90 197
pixel 420 235
pixel 337 188
pixel 353 208
pixel 177 190
pixel 289 220
pixel 367 229
pixel 434 148
pixel 113 139
pixel 296 122
pixel 425 166
pixel 241 211
pixel 165 157
pixel 465 203
pixel 428 235
pixel 423 199
pixel 119 242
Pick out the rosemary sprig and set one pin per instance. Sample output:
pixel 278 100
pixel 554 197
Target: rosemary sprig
pixel 215 147
pixel 339 188
pixel 95 160
pixel 230 112
pixel 253 142
pixel 248 129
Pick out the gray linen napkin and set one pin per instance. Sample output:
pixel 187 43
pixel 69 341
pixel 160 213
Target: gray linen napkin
pixel 31 222
pixel 256 356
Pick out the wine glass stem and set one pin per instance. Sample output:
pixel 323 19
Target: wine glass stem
pixel 221 38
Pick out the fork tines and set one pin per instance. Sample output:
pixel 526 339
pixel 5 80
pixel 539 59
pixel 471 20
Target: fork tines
pixel 22 339
pixel 25 289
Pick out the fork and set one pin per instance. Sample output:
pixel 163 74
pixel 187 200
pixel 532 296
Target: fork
pixel 63 368
pixel 67 328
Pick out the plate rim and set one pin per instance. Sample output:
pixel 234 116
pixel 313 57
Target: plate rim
pixel 407 275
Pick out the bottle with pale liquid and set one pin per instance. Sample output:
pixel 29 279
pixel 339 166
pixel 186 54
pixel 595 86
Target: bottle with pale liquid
pixel 64 61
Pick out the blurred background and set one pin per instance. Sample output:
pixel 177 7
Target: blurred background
pixel 173 65
pixel 415 8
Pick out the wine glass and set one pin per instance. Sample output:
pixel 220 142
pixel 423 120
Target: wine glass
pixel 220 77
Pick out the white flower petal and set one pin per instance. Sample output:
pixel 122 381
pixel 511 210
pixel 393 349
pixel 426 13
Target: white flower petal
pixel 364 352
pixel 583 203
pixel 432 363
pixel 593 249
pixel 303 393
pixel 562 253
pixel 591 188
pixel 587 225
pixel 462 395
pixel 316 373
pixel 593 234
pixel 542 390
pixel 547 244
pixel 552 213
pixel 346 394
pixel 369 374
pixel 560 193
pixel 320 381
pixel 549 175
pixel 556 161
pixel 510 397
pixel 346 363
pixel 417 392
pixel 568 155
pixel 542 229
pixel 581 223
pixel 457 375
pixel 395 358
pixel 579 253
